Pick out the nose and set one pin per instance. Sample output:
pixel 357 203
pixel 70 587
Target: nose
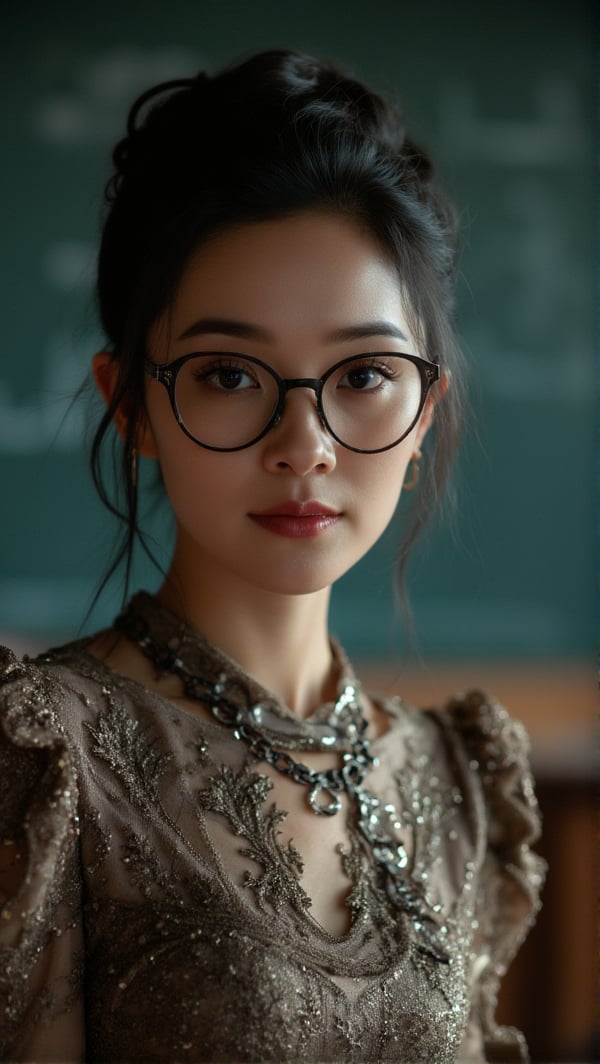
pixel 300 443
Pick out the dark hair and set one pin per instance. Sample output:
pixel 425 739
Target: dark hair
pixel 276 134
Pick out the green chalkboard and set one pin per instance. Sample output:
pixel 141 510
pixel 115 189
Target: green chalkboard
pixel 502 95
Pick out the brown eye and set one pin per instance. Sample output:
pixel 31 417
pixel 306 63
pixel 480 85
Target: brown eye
pixel 366 376
pixel 362 379
pixel 227 377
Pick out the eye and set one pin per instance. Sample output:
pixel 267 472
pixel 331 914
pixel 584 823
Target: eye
pixel 226 375
pixel 367 375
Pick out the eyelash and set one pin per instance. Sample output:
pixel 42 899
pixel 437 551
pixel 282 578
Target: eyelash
pixel 223 365
pixel 229 362
pixel 385 372
pixel 381 367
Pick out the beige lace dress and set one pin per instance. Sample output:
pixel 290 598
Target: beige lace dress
pixel 161 916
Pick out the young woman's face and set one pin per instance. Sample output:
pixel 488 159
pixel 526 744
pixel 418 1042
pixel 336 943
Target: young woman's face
pixel 286 288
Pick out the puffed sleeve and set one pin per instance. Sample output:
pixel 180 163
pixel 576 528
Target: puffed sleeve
pixel 41 955
pixel 511 875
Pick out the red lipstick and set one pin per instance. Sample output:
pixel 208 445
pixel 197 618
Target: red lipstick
pixel 297 519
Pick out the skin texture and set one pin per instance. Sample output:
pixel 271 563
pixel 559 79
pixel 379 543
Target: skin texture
pixel 263 597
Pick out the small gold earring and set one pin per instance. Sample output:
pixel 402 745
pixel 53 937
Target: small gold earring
pixel 414 476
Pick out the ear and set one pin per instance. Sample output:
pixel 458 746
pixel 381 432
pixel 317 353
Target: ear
pixel 425 421
pixel 105 370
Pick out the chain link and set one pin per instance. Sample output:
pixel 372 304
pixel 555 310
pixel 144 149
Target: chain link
pixel 347 778
pixel 389 855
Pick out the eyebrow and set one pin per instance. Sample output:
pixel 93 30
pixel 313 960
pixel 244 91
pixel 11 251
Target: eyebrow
pixel 246 331
pixel 366 329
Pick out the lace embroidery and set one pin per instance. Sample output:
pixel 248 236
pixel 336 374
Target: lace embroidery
pixel 132 756
pixel 240 797
pixel 183 964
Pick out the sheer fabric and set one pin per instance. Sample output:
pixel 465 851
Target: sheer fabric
pixel 153 912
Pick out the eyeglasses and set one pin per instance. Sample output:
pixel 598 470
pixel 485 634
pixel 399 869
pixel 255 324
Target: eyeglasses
pixel 227 402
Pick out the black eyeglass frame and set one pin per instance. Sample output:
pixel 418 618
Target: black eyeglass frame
pixel 166 374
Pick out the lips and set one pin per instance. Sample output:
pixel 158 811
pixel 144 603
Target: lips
pixel 298 509
pixel 297 520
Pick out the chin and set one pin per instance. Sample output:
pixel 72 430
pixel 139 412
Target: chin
pixel 302 579
pixel 295 589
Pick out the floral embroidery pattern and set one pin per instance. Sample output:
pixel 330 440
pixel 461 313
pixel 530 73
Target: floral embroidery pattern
pixel 133 757
pixel 240 797
pixel 180 961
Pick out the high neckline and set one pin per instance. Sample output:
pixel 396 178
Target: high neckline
pixel 211 662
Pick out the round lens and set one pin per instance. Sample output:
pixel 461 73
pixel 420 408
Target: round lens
pixel 225 400
pixel 372 401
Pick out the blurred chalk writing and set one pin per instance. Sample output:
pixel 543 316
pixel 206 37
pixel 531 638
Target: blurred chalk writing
pixel 51 417
pixel 532 343
pixel 92 112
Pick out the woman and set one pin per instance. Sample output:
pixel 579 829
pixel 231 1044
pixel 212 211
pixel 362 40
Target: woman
pixel 216 845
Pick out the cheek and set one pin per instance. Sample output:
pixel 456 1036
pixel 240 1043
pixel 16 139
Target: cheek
pixel 197 479
pixel 192 476
pixel 382 483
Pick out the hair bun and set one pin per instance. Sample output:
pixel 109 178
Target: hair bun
pixel 129 151
pixel 151 94
pixel 335 98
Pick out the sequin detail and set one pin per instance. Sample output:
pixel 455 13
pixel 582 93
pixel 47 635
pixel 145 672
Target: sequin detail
pixel 231 704
pixel 140 831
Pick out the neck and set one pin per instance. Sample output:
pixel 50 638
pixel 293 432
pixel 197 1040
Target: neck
pixel 281 640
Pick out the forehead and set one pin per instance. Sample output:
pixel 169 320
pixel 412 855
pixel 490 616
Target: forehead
pixel 308 273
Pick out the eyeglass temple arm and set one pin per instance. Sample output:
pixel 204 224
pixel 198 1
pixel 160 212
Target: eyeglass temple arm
pixel 164 374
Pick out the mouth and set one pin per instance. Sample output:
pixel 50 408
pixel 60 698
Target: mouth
pixel 299 509
pixel 297 520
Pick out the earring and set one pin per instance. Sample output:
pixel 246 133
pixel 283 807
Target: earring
pixel 133 467
pixel 414 476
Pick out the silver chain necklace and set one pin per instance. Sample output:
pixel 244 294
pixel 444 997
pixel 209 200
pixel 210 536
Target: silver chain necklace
pixel 348 726
pixel 244 721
